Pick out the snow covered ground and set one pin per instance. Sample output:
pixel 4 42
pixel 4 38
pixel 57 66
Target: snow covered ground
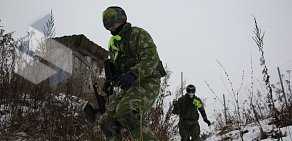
pixel 253 133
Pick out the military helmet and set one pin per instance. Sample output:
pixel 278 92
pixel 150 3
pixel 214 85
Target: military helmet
pixel 112 15
pixel 191 88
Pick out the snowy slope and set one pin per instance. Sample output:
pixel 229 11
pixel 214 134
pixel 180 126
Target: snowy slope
pixel 253 133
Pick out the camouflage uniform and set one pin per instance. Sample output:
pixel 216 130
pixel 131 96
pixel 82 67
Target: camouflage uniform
pixel 142 62
pixel 187 109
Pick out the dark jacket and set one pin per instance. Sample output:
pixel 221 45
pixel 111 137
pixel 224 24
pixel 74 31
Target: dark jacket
pixel 187 108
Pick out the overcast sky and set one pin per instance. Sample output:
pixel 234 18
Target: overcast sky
pixel 190 34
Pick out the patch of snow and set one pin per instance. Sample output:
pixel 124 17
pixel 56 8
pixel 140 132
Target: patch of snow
pixel 253 133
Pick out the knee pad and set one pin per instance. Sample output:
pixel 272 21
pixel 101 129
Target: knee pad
pixel 108 128
pixel 130 120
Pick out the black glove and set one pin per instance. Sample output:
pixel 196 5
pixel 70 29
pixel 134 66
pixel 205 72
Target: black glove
pixel 207 121
pixel 127 80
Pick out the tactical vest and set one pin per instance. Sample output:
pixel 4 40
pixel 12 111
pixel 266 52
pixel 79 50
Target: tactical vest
pixel 188 108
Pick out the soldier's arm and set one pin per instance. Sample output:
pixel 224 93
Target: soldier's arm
pixel 147 55
pixel 203 113
pixel 197 101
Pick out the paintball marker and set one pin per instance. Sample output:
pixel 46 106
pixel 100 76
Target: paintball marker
pixel 108 87
pixel 90 112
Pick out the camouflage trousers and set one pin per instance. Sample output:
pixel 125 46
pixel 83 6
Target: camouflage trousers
pixel 139 97
pixel 189 130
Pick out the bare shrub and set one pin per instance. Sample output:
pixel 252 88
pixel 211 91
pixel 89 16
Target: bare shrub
pixel 160 116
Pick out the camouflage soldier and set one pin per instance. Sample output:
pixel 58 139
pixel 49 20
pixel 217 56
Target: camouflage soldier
pixel 187 108
pixel 134 60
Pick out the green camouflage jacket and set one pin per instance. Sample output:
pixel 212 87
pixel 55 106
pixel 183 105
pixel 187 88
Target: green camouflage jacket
pixel 139 56
pixel 187 108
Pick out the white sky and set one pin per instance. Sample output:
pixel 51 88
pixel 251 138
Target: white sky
pixel 190 34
